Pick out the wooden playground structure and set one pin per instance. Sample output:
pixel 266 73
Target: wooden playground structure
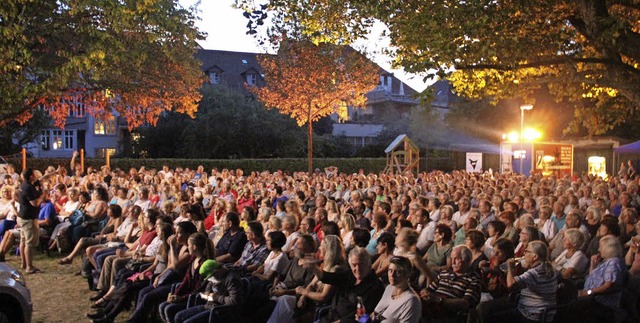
pixel 403 156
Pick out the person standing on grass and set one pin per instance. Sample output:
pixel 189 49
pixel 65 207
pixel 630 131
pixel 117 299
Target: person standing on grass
pixel 30 198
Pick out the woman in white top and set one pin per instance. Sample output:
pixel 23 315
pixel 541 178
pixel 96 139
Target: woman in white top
pixel 572 262
pixel 495 229
pixel 399 303
pixel 346 225
pixel 8 209
pixel 72 204
pixel 276 261
pixel 544 223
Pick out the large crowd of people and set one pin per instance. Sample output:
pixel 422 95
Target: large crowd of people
pixel 187 245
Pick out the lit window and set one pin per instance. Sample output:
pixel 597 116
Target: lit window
pixel 252 79
pixel 105 127
pixel 214 77
pixel 57 139
pixel 102 152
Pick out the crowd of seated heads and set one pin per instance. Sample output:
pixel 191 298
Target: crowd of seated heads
pixel 441 223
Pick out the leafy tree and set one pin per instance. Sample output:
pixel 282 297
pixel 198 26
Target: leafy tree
pixel 14 136
pixel 586 52
pixel 308 81
pixel 229 123
pixel 133 57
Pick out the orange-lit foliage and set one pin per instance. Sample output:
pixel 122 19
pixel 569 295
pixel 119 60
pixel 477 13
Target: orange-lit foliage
pixel 308 81
pixel 131 58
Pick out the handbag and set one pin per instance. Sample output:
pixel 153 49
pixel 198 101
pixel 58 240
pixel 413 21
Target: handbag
pixel 76 218
pixel 134 265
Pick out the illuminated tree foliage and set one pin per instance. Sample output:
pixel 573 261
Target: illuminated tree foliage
pixel 585 52
pixel 308 81
pixel 130 56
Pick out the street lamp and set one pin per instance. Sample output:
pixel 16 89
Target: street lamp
pixel 522 108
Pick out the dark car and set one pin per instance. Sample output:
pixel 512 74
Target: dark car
pixel 15 297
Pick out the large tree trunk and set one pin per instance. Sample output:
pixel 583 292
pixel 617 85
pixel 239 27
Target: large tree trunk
pixel 310 148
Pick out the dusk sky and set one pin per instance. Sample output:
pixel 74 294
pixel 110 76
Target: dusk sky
pixel 226 30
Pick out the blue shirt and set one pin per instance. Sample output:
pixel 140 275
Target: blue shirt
pixel 559 222
pixel 611 270
pixel 47 211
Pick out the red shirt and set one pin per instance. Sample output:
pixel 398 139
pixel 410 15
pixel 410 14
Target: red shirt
pixel 246 202
pixel 61 201
pixel 212 219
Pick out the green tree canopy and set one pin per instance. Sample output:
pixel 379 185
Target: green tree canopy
pixel 135 57
pixel 585 52
pixel 229 123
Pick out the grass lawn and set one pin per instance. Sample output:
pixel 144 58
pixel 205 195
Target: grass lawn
pixel 58 295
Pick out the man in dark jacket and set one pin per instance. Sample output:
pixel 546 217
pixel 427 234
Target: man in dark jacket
pixel 361 282
pixel 224 287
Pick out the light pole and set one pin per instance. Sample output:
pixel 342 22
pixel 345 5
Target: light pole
pixel 522 108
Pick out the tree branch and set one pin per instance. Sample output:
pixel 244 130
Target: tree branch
pixel 548 62
pixel 631 4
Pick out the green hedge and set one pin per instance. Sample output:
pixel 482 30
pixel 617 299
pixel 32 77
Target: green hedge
pixel 347 165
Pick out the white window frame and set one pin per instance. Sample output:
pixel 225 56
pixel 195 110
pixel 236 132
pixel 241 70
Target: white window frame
pixel 45 140
pixel 214 77
pixel 77 110
pixel 252 79
pixel 69 139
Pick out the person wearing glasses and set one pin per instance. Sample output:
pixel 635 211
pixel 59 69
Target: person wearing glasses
pixel 539 285
pixel 438 255
pixel 452 290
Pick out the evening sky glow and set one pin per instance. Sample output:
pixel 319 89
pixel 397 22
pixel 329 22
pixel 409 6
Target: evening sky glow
pixel 226 30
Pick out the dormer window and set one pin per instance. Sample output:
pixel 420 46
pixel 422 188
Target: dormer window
pixel 385 82
pixel 244 61
pixel 214 77
pixel 252 79
pixel 214 73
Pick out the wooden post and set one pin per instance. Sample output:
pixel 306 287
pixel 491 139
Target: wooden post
pixel 24 158
pixel 107 155
pixel 82 160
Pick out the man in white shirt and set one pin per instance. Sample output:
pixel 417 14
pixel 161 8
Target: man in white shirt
pixel 463 211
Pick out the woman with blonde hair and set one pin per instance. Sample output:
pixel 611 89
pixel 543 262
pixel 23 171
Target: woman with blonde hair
pixel 333 214
pixel 627 221
pixel 593 217
pixel 346 225
pixel 315 294
pixel 292 208
pixel 217 212
pixel 275 224
pixel 8 209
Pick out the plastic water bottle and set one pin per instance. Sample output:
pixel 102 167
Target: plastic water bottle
pixel 361 311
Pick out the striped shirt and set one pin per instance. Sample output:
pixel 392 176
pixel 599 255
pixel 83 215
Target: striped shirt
pixel 452 285
pixel 538 292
